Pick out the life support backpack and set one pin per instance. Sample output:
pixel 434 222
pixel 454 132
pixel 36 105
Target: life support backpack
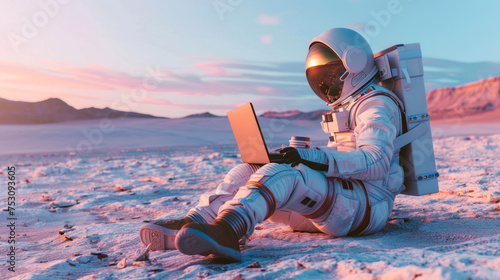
pixel 401 71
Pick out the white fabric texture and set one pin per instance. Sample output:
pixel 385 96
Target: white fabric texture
pixel 313 155
pixel 378 122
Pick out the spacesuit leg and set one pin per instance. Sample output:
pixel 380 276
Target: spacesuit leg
pixel 280 187
pixel 350 208
pixel 335 206
pixel 209 203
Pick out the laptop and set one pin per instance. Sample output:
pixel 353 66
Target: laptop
pixel 249 138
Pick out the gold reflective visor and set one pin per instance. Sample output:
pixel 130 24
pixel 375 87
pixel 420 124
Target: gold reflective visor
pixel 324 70
pixel 320 54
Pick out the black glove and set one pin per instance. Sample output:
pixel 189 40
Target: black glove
pixel 292 156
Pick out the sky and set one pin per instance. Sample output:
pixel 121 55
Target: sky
pixel 175 58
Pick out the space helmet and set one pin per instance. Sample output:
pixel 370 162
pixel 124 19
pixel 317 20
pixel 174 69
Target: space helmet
pixel 339 63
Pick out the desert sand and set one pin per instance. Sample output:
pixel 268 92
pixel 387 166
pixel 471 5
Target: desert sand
pixel 79 210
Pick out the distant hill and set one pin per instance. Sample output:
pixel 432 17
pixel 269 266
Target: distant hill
pixel 470 99
pixel 55 110
pixel 286 114
pixel 202 115
pixel 295 115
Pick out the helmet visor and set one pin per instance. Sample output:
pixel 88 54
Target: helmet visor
pixel 323 70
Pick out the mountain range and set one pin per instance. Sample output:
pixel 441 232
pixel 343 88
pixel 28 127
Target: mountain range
pixel 295 115
pixel 466 100
pixel 451 102
pixel 55 110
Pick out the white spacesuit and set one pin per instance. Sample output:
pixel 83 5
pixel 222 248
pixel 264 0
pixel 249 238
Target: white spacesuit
pixel 354 196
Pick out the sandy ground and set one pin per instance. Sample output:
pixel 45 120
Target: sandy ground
pixel 100 198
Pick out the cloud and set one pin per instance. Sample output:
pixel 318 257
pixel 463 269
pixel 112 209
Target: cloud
pixel 210 80
pixel 265 19
pixel 65 78
pixel 440 73
pixel 209 84
pixel 264 89
pixel 266 39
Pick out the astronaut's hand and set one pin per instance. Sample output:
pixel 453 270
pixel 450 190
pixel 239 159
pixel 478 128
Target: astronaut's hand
pixel 312 158
pixel 291 156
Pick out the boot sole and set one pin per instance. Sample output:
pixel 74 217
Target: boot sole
pixel 194 242
pixel 160 238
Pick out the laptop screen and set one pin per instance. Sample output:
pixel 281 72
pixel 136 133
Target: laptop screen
pixel 248 135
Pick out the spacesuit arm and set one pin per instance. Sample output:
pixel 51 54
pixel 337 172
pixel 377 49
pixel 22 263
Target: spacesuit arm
pixel 375 132
pixel 312 158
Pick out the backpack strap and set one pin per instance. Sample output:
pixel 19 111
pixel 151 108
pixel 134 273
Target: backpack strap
pixel 407 136
pixel 379 91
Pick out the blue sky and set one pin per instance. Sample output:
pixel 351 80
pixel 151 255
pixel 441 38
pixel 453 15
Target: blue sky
pixel 174 58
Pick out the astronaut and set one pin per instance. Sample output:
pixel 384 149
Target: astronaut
pixel 344 189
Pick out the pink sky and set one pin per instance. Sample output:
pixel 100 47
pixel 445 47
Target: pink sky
pixel 98 53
